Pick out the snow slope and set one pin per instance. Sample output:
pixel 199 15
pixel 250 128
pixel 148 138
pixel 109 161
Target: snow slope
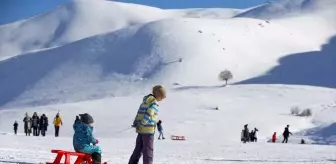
pixel 101 57
pixel 146 54
pixel 212 135
pixel 286 8
pixel 84 18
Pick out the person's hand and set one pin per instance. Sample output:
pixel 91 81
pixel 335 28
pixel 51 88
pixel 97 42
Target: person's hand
pixel 96 142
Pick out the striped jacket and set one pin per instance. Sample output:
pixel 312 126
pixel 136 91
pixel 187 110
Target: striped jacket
pixel 146 118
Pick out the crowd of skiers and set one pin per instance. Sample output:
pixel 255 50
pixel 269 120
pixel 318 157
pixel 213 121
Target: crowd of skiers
pixel 38 125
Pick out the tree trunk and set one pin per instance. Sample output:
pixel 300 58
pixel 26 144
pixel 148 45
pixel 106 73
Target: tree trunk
pixel 225 83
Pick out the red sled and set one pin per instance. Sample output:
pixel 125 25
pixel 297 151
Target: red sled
pixel 180 138
pixel 81 157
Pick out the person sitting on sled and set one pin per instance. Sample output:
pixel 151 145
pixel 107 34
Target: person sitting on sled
pixel 83 140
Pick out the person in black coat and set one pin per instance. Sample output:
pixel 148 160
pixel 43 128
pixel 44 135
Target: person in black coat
pixel 43 124
pixel 246 134
pixel 35 124
pixel 15 127
pixel 27 125
pixel 286 134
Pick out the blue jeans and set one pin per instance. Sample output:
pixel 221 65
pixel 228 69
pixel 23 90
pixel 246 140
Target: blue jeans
pixel 161 134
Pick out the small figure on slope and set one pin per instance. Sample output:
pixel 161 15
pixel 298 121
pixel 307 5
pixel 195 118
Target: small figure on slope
pixel 35 124
pixel 145 123
pixel 57 123
pixel 274 137
pixel 83 140
pixel 27 124
pixel 246 134
pixel 255 136
pixel 43 124
pixel 286 134
pixel 15 127
pixel 160 129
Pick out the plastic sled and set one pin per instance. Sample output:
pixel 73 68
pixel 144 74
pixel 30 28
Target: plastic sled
pixel 81 157
pixel 180 138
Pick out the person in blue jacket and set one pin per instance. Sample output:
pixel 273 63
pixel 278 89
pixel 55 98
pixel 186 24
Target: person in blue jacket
pixel 83 140
pixel 160 129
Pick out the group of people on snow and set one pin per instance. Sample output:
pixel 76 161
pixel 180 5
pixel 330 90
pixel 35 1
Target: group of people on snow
pixel 247 136
pixel 38 125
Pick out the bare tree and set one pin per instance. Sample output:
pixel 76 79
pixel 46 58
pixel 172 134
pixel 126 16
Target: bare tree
pixel 225 76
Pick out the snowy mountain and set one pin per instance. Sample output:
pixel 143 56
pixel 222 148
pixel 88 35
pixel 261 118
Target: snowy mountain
pixel 101 57
pixel 84 18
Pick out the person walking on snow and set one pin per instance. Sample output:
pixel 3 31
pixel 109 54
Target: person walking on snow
pixel 83 140
pixel 160 130
pixel 35 124
pixel 246 133
pixel 27 125
pixel 274 137
pixel 57 123
pixel 43 124
pixel 255 136
pixel 145 124
pixel 286 134
pixel 15 127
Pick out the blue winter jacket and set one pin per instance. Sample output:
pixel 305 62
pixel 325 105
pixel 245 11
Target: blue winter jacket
pixel 83 138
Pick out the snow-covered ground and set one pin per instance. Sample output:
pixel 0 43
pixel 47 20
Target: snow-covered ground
pixel 101 57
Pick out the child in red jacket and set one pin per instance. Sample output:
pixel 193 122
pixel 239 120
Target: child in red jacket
pixel 274 137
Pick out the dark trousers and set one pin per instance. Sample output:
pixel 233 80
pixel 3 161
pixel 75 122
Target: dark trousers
pixel 15 131
pixel 35 131
pixel 285 139
pixel 96 158
pixel 56 131
pixel 144 146
pixel 161 134
pixel 42 132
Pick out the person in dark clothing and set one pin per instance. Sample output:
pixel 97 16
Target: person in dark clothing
pixel 43 125
pixel 15 127
pixel 35 124
pixel 252 136
pixel 160 129
pixel 27 125
pixel 246 134
pixel 286 134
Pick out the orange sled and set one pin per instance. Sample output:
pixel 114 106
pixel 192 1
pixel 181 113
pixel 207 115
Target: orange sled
pixel 181 138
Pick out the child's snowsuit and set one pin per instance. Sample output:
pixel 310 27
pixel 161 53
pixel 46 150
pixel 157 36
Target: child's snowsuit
pixel 83 139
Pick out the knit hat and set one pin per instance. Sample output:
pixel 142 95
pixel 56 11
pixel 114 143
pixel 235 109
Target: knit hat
pixel 86 118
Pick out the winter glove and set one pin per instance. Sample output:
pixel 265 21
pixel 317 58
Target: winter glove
pixel 96 142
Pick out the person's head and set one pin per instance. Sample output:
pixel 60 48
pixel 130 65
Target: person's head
pixel 26 114
pixel 160 122
pixel 287 126
pixel 159 92
pixel 246 125
pixel 87 119
pixel 43 115
pixel 274 133
pixel 57 115
pixel 15 121
pixel 35 114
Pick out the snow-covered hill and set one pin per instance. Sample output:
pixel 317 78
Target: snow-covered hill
pixel 144 54
pixel 101 57
pixel 84 18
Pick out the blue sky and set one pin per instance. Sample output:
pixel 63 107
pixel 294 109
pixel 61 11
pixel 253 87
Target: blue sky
pixel 13 10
